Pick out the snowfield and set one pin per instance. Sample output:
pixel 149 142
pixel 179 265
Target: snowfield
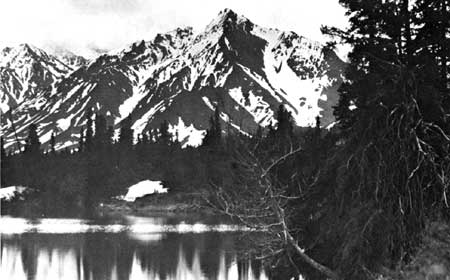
pixel 188 135
pixel 9 193
pixel 144 188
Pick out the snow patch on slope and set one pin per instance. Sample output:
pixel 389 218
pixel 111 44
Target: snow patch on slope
pixel 129 104
pixel 255 105
pixel 295 90
pixel 140 124
pixel 188 135
pixel 64 124
pixel 144 188
pixel 9 193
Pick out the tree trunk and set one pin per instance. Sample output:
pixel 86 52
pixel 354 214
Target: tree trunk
pixel 290 241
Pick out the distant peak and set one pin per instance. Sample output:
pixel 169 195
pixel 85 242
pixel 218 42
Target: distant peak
pixel 29 48
pixel 184 29
pixel 227 17
pixel 289 35
pixel 23 49
pixel 227 12
pixel 24 46
pixel 180 32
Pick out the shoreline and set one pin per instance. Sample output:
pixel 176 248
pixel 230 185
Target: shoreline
pixel 172 202
pixel 175 203
pixel 124 207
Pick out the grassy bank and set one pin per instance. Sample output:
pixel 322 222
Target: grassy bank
pixel 170 202
pixel 38 204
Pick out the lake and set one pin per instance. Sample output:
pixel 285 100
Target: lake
pixel 124 248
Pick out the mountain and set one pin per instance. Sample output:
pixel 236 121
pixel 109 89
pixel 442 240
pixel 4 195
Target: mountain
pixel 25 73
pixel 28 78
pixel 67 57
pixel 245 70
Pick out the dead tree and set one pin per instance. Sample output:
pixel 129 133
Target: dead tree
pixel 257 200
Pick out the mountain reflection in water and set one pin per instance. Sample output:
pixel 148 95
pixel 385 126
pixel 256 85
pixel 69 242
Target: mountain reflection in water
pixel 124 256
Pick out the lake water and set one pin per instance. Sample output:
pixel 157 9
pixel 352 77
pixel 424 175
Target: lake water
pixel 123 248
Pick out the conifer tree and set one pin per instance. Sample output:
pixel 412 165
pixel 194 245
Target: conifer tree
pixel 2 147
pixel 52 143
pixel 81 141
pixel 109 135
pixel 317 128
pixel 392 119
pixel 33 144
pixel 89 132
pixel 126 134
pixel 432 43
pixel 217 131
pixel 285 122
pixel 164 134
pixel 214 132
pixel 101 134
pixel 145 138
pixel 4 163
pixel 283 134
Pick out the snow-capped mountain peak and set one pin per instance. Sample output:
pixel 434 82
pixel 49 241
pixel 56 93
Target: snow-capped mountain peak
pixel 26 72
pixel 69 58
pixel 227 18
pixel 243 69
pixel 21 54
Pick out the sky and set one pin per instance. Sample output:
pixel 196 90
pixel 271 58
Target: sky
pixel 90 27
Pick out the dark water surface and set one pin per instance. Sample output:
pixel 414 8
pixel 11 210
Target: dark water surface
pixel 123 248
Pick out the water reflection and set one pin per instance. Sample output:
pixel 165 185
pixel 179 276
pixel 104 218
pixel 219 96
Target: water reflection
pixel 10 225
pixel 124 255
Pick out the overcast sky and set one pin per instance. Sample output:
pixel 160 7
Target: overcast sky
pixel 89 26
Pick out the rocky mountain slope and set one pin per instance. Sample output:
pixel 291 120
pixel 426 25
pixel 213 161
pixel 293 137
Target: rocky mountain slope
pixel 245 70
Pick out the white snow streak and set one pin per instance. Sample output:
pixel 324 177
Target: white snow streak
pixel 255 105
pixel 64 124
pixel 188 134
pixel 292 88
pixel 140 124
pixel 144 188
pixel 9 193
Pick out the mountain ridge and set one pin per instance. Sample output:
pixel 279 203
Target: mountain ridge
pixel 181 76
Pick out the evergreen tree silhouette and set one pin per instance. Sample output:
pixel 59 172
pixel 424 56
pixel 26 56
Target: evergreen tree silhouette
pixel 88 143
pixel 432 46
pixel 285 122
pixel 283 135
pixel 52 143
pixel 391 98
pixel 81 141
pixel 2 147
pixel 33 144
pixel 317 128
pixel 101 134
pixel 126 134
pixel 164 134
pixel 214 132
pixel 4 164
pixel 110 135
pixel 145 138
